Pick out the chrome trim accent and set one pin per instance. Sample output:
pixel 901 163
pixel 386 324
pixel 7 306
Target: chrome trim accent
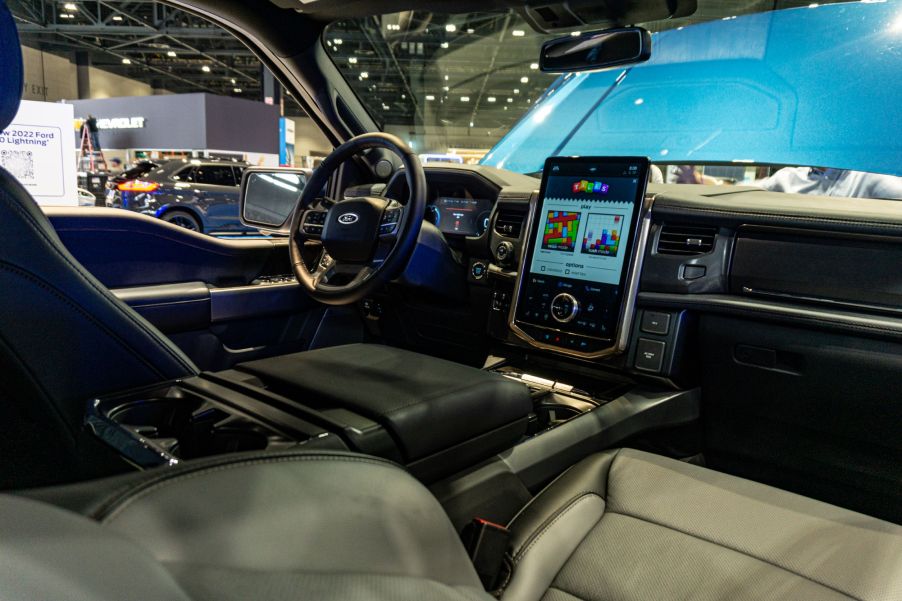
pixel 628 311
pixel 573 311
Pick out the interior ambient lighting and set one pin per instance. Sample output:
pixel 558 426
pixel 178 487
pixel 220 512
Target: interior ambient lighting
pixel 450 27
pixel 518 33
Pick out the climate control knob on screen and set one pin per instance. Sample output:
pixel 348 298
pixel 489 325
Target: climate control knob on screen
pixel 564 307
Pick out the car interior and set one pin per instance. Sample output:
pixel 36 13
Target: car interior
pixel 402 392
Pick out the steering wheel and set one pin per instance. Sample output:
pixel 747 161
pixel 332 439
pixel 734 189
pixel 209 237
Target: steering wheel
pixel 365 241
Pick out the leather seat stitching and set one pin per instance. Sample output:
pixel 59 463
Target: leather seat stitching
pixel 740 551
pixel 546 526
pixel 116 506
pixel 37 227
pixel 16 270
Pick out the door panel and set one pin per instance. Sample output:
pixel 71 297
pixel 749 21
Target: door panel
pixel 220 301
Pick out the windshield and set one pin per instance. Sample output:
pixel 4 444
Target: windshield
pixel 815 86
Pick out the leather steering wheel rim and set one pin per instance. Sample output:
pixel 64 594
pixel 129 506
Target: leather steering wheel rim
pixel 405 239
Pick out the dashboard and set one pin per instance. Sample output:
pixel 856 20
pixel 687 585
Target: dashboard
pixel 460 215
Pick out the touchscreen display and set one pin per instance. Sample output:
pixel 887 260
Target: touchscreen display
pixel 581 243
pixel 468 216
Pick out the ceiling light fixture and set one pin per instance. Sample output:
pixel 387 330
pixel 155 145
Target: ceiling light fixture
pixel 364 74
pixel 70 6
pixel 205 68
pixel 126 61
pixel 430 97
pixel 444 44
pixel 352 60
pixel 450 27
pixel 171 54
pixel 338 41
pixel 117 17
pixel 518 33
pixel 524 80
pixel 534 66
pixel 471 31
pixel 233 81
pixel 516 90
pixel 491 99
pixel 465 99
pixel 237 90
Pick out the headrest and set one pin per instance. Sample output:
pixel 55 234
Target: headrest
pixel 11 69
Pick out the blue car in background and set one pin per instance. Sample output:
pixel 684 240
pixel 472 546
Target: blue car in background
pixel 199 195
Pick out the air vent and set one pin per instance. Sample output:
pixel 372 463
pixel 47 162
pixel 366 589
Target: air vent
pixel 509 220
pixel 676 239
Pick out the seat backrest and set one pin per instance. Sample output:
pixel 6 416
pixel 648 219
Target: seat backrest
pixel 64 338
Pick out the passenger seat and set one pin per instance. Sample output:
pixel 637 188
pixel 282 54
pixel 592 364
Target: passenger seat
pixel 620 525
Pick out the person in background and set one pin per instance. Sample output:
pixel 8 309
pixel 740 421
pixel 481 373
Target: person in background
pixel 825 181
pixel 91 124
pixel 115 166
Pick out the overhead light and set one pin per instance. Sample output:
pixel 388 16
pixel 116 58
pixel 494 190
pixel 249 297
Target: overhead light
pixel 384 107
pixel 171 53
pixel 518 33
pixel 491 99
pixel 638 101
pixel 465 99
pixel 471 124
pixel 403 96
pixel 510 99
pixel 450 27
pixel 237 90
pixel 70 6
pixel 534 66
pixel 352 60
pixel 205 68
pixel 516 90
pixel 430 97
pixel 233 81
pixel 117 17
pixel 338 41
pixel 576 34
pixel 444 44
pixel 446 78
pixel 524 80
pixel 66 16
pixel 446 88
pixel 471 31
pixel 126 61
pixel 364 74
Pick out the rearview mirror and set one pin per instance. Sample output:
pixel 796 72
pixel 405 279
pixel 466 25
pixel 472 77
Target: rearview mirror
pixel 269 197
pixel 596 50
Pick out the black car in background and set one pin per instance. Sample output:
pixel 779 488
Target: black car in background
pixel 197 194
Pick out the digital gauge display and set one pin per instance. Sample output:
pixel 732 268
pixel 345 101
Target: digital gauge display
pixel 463 216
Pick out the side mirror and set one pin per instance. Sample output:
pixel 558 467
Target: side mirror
pixel 269 197
pixel 596 50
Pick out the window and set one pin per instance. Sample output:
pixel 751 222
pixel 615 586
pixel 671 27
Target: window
pixel 215 175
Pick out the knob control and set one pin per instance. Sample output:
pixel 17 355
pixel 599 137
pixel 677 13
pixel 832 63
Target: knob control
pixel 564 307
pixel 504 252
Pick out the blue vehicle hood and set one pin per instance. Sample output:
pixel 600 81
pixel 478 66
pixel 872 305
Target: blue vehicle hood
pixel 817 86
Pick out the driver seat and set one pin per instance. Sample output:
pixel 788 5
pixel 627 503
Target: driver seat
pixel 58 324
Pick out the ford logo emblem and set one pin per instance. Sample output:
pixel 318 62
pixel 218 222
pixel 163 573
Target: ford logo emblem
pixel 348 218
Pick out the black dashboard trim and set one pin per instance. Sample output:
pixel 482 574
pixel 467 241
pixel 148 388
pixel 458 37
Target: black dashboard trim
pixel 809 316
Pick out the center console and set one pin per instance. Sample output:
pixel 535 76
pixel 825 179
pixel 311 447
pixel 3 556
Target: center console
pixel 586 232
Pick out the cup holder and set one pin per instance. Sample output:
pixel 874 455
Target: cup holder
pixel 175 425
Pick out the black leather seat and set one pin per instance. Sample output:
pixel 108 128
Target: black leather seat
pixel 64 338
pixel 620 525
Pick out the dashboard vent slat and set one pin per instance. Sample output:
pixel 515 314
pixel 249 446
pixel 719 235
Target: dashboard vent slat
pixel 509 220
pixel 679 239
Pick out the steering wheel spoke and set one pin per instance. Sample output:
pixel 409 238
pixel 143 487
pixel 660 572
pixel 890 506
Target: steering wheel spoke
pixel 312 223
pixel 391 223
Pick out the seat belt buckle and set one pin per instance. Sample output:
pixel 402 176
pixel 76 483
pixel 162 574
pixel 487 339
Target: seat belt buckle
pixel 486 543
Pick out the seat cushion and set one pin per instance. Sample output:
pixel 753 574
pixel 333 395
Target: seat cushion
pixel 626 525
pixel 427 404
